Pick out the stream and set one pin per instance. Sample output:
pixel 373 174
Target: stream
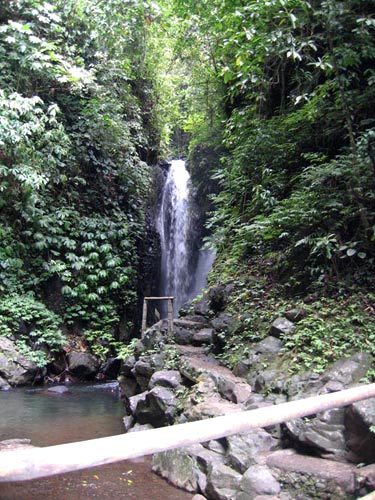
pixel 86 412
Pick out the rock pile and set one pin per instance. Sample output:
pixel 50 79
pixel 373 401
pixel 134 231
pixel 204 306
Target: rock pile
pixel 175 380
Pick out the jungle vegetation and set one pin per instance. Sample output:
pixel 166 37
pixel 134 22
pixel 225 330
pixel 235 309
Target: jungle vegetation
pixel 272 102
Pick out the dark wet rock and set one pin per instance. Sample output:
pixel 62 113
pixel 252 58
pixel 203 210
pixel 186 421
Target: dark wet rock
pixel 111 368
pixel 183 336
pixel 198 319
pixel 366 476
pixel 179 467
pixel 295 315
pixel 143 371
pixel 218 297
pixel 244 366
pixel 58 365
pixel 216 446
pixel 128 386
pixel 133 402
pixel 337 478
pixel 223 323
pixel 58 389
pixel 244 448
pixel 325 433
pixel 155 335
pixel 211 408
pixel 214 301
pixel 207 458
pixel 359 418
pixel 223 483
pixel 156 407
pixel 128 422
pixel 188 332
pixel 349 371
pixel 166 378
pixel 14 367
pixel 4 386
pixel 187 324
pixel 83 364
pixel 269 380
pixel 229 386
pixel 270 345
pixel 202 337
pixel 128 365
pixel 258 480
pixel 282 326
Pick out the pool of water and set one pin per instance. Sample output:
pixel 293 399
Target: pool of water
pixel 86 412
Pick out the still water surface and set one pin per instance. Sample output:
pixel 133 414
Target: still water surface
pixel 86 412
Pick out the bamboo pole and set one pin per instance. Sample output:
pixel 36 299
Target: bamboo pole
pixel 370 496
pixel 144 315
pixel 170 315
pixel 40 462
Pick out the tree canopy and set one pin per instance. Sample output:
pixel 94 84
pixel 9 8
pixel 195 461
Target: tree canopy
pixel 271 101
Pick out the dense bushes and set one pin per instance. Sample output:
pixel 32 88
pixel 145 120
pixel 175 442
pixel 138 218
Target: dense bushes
pixel 73 133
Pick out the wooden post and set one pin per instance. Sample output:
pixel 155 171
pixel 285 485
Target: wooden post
pixel 170 315
pixel 40 462
pixel 169 308
pixel 144 315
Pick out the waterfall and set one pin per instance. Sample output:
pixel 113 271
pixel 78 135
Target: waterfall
pixel 183 274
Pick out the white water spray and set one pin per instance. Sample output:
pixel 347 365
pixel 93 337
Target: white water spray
pixel 184 269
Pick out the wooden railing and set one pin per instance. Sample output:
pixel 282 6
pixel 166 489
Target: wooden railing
pixel 169 311
pixel 17 465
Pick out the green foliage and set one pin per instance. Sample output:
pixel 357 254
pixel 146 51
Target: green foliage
pixel 333 331
pixel 75 128
pixel 35 329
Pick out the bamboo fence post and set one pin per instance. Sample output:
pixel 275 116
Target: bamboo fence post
pixel 170 315
pixel 18 465
pixel 169 310
pixel 144 315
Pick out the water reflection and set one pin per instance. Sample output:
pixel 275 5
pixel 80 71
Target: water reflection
pixel 86 412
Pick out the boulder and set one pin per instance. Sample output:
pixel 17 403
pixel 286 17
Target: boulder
pixel 349 371
pixel 338 479
pixel 83 364
pixel 165 378
pixel 203 336
pixel 15 368
pixel 282 326
pixel 128 386
pixel 156 335
pixel 128 365
pixel 223 483
pixel 156 407
pixel 134 401
pixel 269 345
pixel 244 448
pixel 179 467
pixel 359 418
pixel 325 433
pixel 111 368
pixel 258 480
pixel 143 371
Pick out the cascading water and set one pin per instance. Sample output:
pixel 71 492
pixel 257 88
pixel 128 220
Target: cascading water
pixel 173 229
pixel 183 267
